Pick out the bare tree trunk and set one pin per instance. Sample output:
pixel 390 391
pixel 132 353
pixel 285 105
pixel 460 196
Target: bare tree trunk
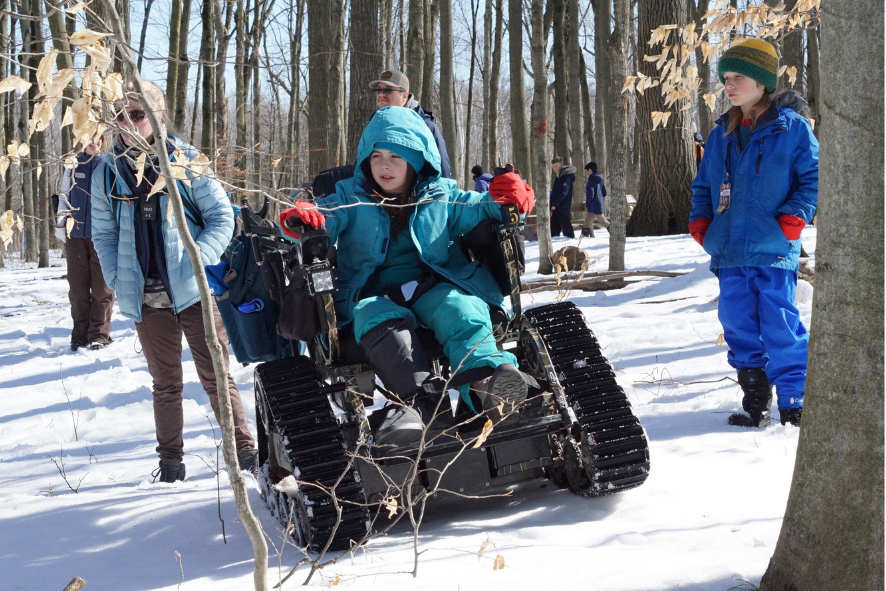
pixel 832 533
pixel 293 137
pixel 705 115
pixel 223 34
pixel 573 86
pixel 415 47
pixel 241 89
pixel 475 7
pixel 366 63
pixel 519 125
pixel 813 76
pixel 485 72
pixel 618 153
pixel 250 523
pixel 432 16
pixel 141 40
pixel 540 136
pixel 387 19
pixel 181 85
pixel 207 57
pixel 561 95
pixel 64 59
pixel 31 48
pixel 493 158
pixel 602 110
pixel 447 88
pixel 171 66
pixel 192 135
pixel 586 109
pixel 667 157
pixel 325 18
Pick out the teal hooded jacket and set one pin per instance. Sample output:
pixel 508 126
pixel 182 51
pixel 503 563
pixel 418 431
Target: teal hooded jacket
pixel 360 227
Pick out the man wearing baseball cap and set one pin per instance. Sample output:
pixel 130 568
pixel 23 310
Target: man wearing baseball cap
pixel 392 90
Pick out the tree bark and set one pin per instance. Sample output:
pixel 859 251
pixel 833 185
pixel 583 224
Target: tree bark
pixel 447 88
pixel 602 110
pixel 432 16
pixel 325 31
pixel 141 40
pixel 832 533
pixel 561 117
pixel 586 109
pixel 366 65
pixel 813 76
pixel 223 34
pixel 241 90
pixel 181 79
pixel 492 160
pixel 618 153
pixel 667 157
pixel 64 59
pixel 705 115
pixel 171 66
pixel 207 56
pixel 519 124
pixel 485 72
pixel 415 47
pixel 573 63
pixel 250 523
pixel 539 123
pixel 475 6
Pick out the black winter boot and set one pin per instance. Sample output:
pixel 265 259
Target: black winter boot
pixel 757 398
pixel 169 471
pixel 502 393
pixel 429 412
pixel 790 415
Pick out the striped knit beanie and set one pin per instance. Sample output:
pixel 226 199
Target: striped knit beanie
pixel 753 58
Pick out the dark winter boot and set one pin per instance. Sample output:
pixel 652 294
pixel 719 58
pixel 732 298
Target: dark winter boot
pixel 757 399
pixel 502 393
pixel 169 471
pixel 429 412
pixel 587 232
pixel 790 415
pixel 248 460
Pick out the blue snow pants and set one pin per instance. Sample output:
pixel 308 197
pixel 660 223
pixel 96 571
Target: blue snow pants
pixel 762 327
pixel 460 322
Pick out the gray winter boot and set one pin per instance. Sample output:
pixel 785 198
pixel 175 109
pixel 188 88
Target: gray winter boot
pixel 502 393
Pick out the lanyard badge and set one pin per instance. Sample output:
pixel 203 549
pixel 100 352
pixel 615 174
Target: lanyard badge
pixel 149 208
pixel 725 194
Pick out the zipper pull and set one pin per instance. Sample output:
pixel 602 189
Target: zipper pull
pixel 759 157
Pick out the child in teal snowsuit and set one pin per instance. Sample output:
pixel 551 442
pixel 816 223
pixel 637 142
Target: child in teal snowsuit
pixel 395 223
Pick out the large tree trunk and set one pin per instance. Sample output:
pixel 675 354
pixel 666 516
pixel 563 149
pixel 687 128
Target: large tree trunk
pixel 432 16
pixel 561 118
pixel 475 6
pixel 64 59
pixel 241 89
pixel 366 64
pixel 223 33
pixel 31 48
pixel 602 109
pixel 519 125
pixel 293 137
pixel 181 79
pixel 667 157
pixel 813 76
pixel 832 533
pixel 539 125
pixel 447 88
pixel 171 66
pixel 493 159
pixel 387 24
pixel 618 153
pixel 705 115
pixel 573 62
pixel 485 71
pixel 325 77
pixel 207 56
pixel 415 47
pixel 586 110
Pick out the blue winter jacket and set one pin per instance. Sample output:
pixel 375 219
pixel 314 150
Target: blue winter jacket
pixel 595 191
pixel 561 192
pixel 775 174
pixel 361 228
pixel 481 185
pixel 113 234
pixel 78 194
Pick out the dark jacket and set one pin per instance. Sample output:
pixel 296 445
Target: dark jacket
pixel 76 186
pixel 481 185
pixel 428 117
pixel 561 192
pixel 776 173
pixel 595 191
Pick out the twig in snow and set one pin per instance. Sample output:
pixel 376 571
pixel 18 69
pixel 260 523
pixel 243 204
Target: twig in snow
pixel 74 419
pixel 61 470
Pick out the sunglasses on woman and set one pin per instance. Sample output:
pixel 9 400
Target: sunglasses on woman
pixel 135 115
pixel 388 91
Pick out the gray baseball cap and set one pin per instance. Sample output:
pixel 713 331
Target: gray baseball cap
pixel 392 78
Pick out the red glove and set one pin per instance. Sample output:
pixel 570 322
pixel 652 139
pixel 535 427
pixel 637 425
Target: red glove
pixel 509 189
pixel 698 228
pixel 791 225
pixel 304 213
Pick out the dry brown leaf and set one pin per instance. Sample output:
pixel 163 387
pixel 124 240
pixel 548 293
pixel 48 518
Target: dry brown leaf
pixel 4 164
pixel 629 84
pixel 140 168
pixel 276 161
pixel 69 117
pixel 71 162
pixel 112 86
pixel 39 170
pixel 59 82
pixel 487 429
pixel 720 340
pixel 335 581
pixel 660 118
pixel 483 546
pixel 499 562
pixel 159 185
pixel 14 83
pixel 69 225
pixel 44 113
pixel 101 59
pixel 75 8
pixel 391 506
pixel 86 37
pixel 24 150
pixel 44 70
pixel 199 165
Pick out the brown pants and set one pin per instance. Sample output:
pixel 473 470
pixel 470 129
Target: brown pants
pixel 92 301
pixel 588 226
pixel 160 333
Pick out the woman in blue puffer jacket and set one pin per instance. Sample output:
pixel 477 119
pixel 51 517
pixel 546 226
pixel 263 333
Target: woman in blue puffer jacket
pixel 757 187
pixel 144 261
pixel 395 223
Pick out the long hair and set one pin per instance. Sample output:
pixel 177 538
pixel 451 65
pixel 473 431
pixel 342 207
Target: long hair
pixel 736 115
pixel 400 212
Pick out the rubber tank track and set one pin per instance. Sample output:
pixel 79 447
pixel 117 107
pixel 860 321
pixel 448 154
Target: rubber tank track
pixel 618 448
pixel 303 416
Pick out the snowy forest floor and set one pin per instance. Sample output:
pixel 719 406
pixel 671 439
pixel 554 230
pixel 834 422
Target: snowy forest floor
pixel 708 516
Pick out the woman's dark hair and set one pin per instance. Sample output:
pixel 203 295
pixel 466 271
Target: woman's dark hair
pixel 736 115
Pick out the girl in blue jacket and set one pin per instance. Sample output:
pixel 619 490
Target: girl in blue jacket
pixel 395 223
pixel 757 187
pixel 144 261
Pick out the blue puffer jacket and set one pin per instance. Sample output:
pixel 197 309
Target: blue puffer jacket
pixel 776 173
pixel 362 229
pixel 113 234
pixel 595 192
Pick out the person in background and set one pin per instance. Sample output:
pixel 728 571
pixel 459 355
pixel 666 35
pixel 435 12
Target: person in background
pixel 144 260
pixel 92 301
pixel 595 193
pixel 756 189
pixel 561 198
pixel 392 90
pixel 481 179
pixel 698 141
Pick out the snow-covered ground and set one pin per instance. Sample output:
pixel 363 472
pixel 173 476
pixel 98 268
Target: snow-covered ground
pixel 707 518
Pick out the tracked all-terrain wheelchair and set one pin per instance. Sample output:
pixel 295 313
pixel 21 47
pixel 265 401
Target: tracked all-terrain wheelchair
pixel 576 428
